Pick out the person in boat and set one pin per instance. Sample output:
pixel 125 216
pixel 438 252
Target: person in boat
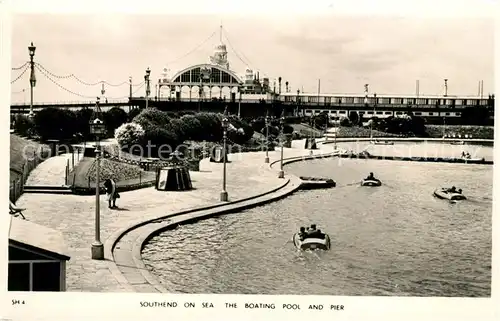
pixel 302 233
pixel 371 177
pixel 453 189
pixel 311 229
pixel 463 154
pixel 314 232
pixel 459 191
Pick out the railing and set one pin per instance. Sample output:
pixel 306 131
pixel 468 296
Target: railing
pixel 75 102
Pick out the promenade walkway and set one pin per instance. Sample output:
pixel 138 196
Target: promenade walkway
pixel 52 171
pixel 73 215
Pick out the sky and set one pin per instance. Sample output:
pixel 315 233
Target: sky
pixel 345 51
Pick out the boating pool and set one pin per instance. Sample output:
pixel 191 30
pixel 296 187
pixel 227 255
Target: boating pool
pixel 393 240
pixel 420 149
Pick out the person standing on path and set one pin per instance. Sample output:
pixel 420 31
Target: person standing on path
pixel 110 186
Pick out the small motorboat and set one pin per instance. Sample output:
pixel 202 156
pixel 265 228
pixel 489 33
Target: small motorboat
pixel 378 142
pixel 316 182
pixel 459 142
pixel 371 182
pixel 312 243
pixel 443 193
pixel 472 160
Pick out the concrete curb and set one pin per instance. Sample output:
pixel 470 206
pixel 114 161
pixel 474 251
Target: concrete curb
pixel 115 237
pixel 295 159
pixel 141 241
pixel 409 139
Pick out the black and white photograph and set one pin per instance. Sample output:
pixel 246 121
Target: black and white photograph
pixel 260 154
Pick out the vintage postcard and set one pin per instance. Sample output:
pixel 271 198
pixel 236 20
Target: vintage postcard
pixel 238 161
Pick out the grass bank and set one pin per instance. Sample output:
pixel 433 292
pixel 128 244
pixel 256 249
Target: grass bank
pixel 22 149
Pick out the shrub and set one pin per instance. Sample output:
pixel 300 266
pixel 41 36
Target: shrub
pixel 157 137
pixel 152 115
pixel 345 122
pixel 210 127
pixel 23 125
pixel 190 126
pixel 287 129
pixel 129 134
pixel 82 119
pixel 319 121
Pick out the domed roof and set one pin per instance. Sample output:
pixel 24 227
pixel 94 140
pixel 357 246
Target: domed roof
pixel 221 46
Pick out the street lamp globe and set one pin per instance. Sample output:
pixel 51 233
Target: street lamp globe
pixel 32 49
pixel 97 127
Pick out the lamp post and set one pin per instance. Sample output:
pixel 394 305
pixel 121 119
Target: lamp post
pixel 239 105
pixel 266 160
pixel 312 133
pixel 326 126
pixel 282 123
pixel 148 89
pixel 298 95
pixel 97 128
pixel 225 122
pixel 31 50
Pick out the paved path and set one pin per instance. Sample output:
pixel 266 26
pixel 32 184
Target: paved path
pixel 52 171
pixel 73 215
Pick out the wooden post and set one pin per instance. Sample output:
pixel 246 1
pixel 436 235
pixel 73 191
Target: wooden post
pixel 74 177
pixel 66 173
pixel 73 158
pixel 89 181
pixel 140 178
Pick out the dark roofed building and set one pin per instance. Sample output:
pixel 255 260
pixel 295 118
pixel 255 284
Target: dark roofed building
pixel 37 257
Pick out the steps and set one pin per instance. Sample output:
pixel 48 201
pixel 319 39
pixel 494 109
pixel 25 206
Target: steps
pixel 48 189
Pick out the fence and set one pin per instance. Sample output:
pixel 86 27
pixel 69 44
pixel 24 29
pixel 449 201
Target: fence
pixel 77 154
pixel 17 186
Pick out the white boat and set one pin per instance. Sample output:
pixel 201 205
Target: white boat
pixel 311 243
pixel 472 160
pixel 379 142
pixel 443 193
pixel 371 182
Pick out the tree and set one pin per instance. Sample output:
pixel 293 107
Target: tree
pixel 345 122
pixel 55 123
pixel 114 118
pixel 354 117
